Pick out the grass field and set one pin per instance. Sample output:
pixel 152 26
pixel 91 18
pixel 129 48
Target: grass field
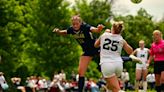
pixel 141 91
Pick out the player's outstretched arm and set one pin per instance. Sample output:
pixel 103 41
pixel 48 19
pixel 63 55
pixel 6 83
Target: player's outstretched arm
pixel 129 50
pixel 60 32
pixel 98 29
pixel 135 59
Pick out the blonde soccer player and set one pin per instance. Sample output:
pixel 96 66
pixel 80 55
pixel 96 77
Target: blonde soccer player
pixel 111 45
pixel 141 69
pixel 157 53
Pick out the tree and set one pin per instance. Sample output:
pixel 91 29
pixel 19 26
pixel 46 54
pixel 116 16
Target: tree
pixel 56 52
pixel 27 38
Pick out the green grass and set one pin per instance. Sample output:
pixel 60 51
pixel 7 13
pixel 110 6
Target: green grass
pixel 142 91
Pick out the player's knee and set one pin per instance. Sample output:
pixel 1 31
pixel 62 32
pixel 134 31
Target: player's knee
pixel 157 82
pixel 113 87
pixel 162 77
pixel 162 80
pixel 144 79
pixel 138 79
pixel 81 72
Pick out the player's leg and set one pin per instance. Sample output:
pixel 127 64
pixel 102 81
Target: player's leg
pixel 157 82
pixel 111 71
pixel 157 73
pixel 83 64
pixel 138 76
pixel 112 83
pixel 145 71
pixel 162 76
pixel 162 81
pixel 118 72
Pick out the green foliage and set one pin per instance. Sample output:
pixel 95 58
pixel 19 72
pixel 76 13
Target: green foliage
pixel 27 41
pixel 53 51
pixel 92 71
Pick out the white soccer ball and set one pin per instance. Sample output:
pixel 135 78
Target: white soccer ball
pixel 136 1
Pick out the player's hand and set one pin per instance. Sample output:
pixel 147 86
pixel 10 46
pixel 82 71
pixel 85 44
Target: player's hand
pixel 138 60
pixel 100 27
pixel 108 30
pixel 135 59
pixel 56 30
pixel 147 65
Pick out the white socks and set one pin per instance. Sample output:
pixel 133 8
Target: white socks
pixel 145 86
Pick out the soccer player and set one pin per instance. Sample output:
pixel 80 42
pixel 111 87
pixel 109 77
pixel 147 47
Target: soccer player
pixel 141 69
pixel 157 53
pixel 82 32
pixel 111 45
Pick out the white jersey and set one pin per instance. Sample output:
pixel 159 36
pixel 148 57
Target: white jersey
pixel 2 79
pixel 111 47
pixel 142 54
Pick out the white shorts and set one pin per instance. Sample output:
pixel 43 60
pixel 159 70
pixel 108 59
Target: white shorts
pixel 141 66
pixel 110 69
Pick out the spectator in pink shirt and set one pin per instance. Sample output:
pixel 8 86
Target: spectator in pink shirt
pixel 157 53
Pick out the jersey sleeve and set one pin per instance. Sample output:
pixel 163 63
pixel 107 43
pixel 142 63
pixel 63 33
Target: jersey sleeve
pixel 87 27
pixel 69 30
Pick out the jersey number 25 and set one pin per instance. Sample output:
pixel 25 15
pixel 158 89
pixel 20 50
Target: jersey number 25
pixel 110 45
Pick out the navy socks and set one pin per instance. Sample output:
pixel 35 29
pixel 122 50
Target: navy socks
pixel 81 84
pixel 158 88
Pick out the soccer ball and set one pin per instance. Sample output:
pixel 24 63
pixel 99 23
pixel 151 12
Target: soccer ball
pixel 136 1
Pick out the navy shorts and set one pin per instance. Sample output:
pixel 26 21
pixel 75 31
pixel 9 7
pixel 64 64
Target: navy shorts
pixel 95 53
pixel 158 67
pixel 91 52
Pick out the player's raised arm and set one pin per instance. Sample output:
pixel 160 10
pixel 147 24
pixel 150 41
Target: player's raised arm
pixel 58 31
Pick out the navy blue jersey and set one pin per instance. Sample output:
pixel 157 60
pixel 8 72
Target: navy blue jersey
pixel 84 37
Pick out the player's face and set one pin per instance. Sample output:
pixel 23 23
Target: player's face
pixel 76 24
pixel 141 44
pixel 156 36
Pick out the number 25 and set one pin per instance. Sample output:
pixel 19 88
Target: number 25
pixel 113 47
